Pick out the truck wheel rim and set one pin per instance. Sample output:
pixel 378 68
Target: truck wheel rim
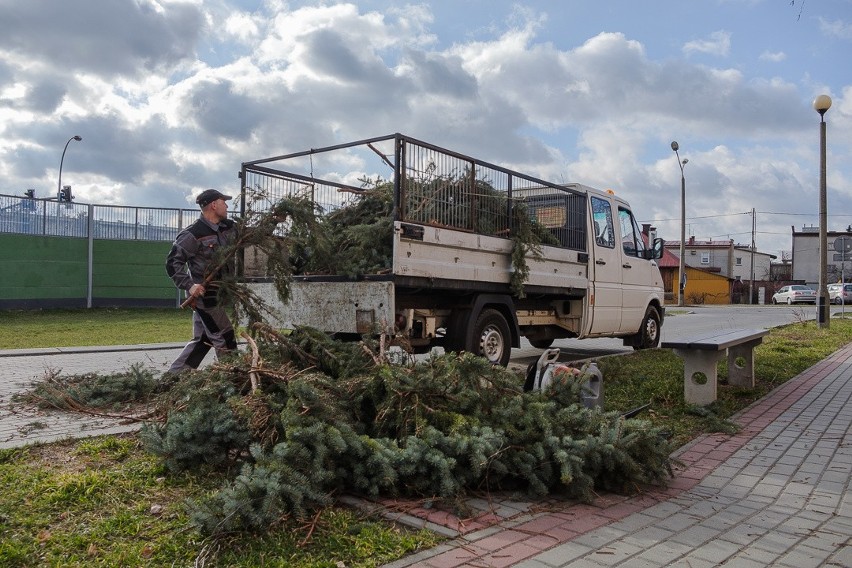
pixel 491 344
pixel 651 329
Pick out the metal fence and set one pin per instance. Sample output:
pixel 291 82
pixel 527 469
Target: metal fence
pixel 431 185
pixel 31 216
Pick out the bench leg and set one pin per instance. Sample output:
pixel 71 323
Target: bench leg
pixel 699 375
pixel 741 364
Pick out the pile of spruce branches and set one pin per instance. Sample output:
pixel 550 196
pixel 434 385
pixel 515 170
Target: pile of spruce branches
pixel 326 418
pixel 300 419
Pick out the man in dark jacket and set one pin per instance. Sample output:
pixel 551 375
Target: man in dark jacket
pixel 190 265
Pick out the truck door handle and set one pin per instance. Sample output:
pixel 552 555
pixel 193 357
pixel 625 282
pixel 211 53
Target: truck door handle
pixel 599 261
pixel 626 265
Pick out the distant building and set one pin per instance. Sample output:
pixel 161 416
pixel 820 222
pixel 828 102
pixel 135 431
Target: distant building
pixel 702 286
pixel 805 259
pixel 731 260
pixel 781 271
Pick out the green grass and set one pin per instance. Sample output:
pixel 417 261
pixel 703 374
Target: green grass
pixel 106 502
pixel 656 376
pixel 98 326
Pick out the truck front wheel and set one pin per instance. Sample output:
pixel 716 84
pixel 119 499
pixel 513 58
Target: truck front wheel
pixel 649 333
pixel 492 338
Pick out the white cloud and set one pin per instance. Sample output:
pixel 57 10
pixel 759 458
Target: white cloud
pixel 775 57
pixel 836 28
pixel 719 44
pixel 243 27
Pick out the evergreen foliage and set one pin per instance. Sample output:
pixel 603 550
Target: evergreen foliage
pixel 305 417
pixel 436 429
pixel 202 425
pixel 357 238
pixel 278 235
pixel 91 390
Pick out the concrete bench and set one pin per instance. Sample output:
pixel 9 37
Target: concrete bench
pixel 700 353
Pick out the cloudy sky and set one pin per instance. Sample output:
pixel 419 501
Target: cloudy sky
pixel 170 97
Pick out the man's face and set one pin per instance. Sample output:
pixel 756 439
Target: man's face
pixel 220 208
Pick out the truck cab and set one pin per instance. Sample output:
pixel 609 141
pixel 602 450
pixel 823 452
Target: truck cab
pixel 625 279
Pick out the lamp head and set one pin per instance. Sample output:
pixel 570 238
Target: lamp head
pixel 822 103
pixel 78 138
pixel 675 146
pixel 685 161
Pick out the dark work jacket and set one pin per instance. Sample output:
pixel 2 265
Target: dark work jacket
pixel 193 252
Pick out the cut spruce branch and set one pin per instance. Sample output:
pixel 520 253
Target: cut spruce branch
pixel 277 234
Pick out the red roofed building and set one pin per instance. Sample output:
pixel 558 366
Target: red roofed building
pixel 737 264
pixel 702 286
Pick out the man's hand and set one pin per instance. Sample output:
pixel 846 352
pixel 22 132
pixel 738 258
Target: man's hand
pixel 196 290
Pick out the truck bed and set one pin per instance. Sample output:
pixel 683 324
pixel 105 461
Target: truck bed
pixel 450 255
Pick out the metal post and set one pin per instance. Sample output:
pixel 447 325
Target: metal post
pixel 682 266
pixel 751 280
pixel 822 300
pixel 682 262
pixel 59 184
pixel 821 104
pixel 90 225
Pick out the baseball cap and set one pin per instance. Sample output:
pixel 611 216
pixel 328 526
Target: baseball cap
pixel 209 196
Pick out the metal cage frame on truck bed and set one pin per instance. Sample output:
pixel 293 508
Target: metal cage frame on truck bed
pixel 431 186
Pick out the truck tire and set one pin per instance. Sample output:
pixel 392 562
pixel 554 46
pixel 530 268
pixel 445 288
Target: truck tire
pixel 540 343
pixel 491 337
pixel 649 333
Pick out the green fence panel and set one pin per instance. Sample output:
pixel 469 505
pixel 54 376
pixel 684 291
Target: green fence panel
pixel 47 272
pixel 38 268
pixel 130 270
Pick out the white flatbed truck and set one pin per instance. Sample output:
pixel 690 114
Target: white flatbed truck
pixel 449 279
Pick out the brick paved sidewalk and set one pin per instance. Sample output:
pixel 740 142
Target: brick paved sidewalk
pixel 775 494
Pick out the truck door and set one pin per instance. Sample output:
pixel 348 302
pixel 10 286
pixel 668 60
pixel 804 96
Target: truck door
pixel 640 274
pixel 606 285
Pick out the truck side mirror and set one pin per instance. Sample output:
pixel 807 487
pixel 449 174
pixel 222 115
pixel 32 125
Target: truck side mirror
pixel 656 251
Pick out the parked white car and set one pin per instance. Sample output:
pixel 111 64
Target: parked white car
pixel 840 293
pixel 794 294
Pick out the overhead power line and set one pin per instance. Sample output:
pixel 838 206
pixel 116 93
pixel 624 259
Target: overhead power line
pixel 804 214
pixel 746 213
pixel 700 217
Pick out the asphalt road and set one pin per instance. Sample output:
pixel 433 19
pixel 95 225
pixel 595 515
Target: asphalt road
pixel 680 322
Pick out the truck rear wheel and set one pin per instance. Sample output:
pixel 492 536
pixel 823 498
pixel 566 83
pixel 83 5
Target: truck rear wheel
pixel 492 338
pixel 649 333
pixel 540 343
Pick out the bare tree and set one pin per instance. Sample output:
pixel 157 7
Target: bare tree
pixel 801 8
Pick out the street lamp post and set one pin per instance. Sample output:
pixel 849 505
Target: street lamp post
pixel 681 267
pixel 59 185
pixel 821 104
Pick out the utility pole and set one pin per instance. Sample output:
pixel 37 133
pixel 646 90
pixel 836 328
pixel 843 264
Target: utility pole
pixel 751 281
